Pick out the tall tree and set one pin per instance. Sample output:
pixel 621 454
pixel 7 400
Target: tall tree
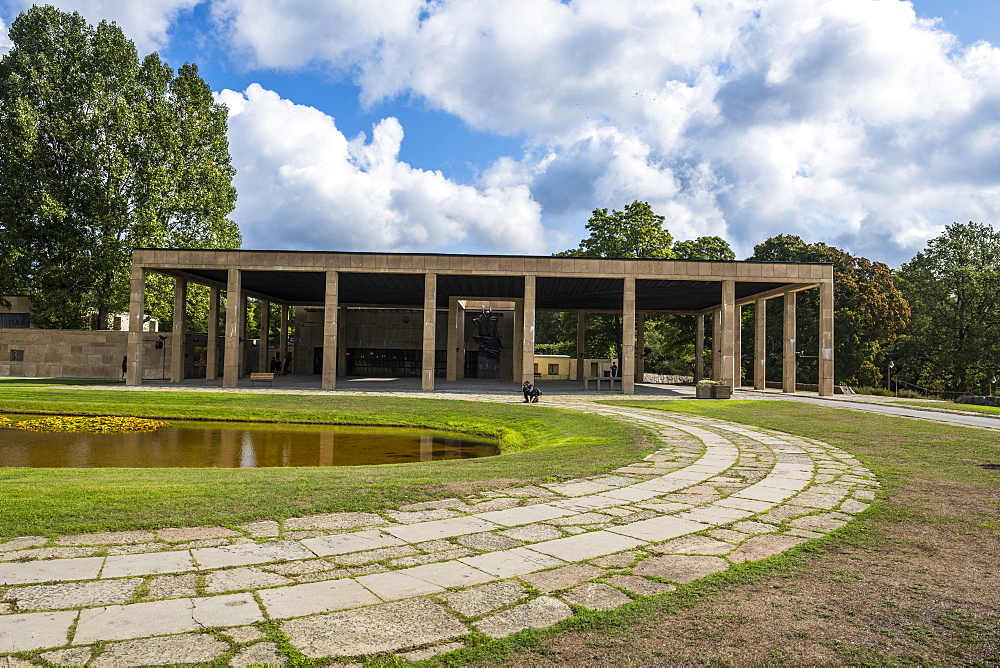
pixel 953 286
pixel 870 312
pixel 704 248
pixel 636 231
pixel 99 154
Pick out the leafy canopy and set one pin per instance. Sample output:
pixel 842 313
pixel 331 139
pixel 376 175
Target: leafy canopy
pixel 99 154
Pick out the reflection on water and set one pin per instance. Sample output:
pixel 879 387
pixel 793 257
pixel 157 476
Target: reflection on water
pixel 235 445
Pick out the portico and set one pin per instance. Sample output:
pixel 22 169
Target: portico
pixel 438 290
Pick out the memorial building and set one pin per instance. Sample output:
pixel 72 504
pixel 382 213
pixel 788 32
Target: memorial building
pixel 445 317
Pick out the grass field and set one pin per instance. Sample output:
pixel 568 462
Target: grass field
pixel 538 442
pixel 911 582
pixel 948 406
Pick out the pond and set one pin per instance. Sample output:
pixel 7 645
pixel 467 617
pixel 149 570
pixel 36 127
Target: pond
pixel 236 445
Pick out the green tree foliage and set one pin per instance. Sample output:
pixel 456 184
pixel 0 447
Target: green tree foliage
pixel 633 232
pixel 99 154
pixel 953 287
pixel 704 248
pixel 870 312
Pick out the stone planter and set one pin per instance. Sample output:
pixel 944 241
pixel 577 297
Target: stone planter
pixel 703 392
pixel 721 392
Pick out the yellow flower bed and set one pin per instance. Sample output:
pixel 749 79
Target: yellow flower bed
pixel 92 425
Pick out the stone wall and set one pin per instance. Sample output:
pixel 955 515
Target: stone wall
pixel 62 353
pixel 977 400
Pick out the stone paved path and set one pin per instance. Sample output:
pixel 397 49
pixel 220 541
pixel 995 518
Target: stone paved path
pixel 417 580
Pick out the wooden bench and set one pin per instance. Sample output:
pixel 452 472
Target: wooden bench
pixel 599 379
pixel 261 378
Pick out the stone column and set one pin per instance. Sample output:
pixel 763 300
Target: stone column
pixel 717 344
pixel 331 302
pixel 788 356
pixel 738 347
pixel 451 372
pixel 430 327
pixel 581 345
pixel 283 335
pixel 233 359
pixel 699 347
pixel 263 360
pixel 243 331
pixel 460 341
pixel 212 363
pixel 136 307
pixel 528 331
pixel 177 336
pixel 517 354
pixel 826 339
pixel 727 335
pixel 628 336
pixel 640 347
pixel 760 345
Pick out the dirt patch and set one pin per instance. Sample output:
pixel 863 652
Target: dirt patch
pixel 919 586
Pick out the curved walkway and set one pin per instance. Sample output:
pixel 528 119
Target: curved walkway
pixel 417 580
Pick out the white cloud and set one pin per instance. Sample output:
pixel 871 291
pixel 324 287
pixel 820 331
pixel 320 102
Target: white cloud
pixel 5 43
pixel 303 184
pixel 145 22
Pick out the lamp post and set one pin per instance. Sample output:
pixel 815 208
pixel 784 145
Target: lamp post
pixel 888 375
pixel 993 380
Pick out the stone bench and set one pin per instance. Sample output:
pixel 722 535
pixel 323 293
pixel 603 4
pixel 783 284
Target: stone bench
pixel 597 380
pixel 261 378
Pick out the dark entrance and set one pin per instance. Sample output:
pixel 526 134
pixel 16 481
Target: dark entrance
pixel 318 360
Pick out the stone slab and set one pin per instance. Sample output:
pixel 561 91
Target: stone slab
pixel 19 633
pixel 139 620
pixel 658 528
pixel 107 538
pixel 579 488
pixel 178 535
pixel 562 578
pixel 713 514
pixel 532 533
pixel 154 563
pixel 262 529
pixel 261 654
pixel 23 542
pixel 585 503
pixel 345 543
pixel 480 600
pixel 509 563
pixel 74 594
pixel 692 545
pixel 313 597
pixel 450 574
pixel 588 545
pixel 817 523
pixel 680 568
pixel 456 526
pixel 394 585
pixel 537 614
pixel 173 586
pixel 525 515
pixel 333 521
pixel 188 648
pixel 596 596
pixel 245 634
pixel 74 656
pixel 249 554
pixel 488 542
pixel 760 547
pixel 631 494
pixel 85 568
pixel 243 577
pixel 424 654
pixel 380 628
pixel 414 516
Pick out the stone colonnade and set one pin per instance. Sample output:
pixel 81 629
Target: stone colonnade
pixel 726 316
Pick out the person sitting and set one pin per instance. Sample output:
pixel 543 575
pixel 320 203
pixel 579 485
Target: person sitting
pixel 531 393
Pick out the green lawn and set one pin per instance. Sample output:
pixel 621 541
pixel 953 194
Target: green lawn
pixel 538 442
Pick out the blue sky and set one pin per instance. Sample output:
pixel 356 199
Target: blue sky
pixel 497 126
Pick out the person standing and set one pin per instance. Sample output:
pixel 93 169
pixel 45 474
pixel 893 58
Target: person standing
pixel 614 369
pixel 124 366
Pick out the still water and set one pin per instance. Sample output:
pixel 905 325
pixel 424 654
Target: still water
pixel 236 445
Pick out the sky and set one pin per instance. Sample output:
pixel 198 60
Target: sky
pixel 498 126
